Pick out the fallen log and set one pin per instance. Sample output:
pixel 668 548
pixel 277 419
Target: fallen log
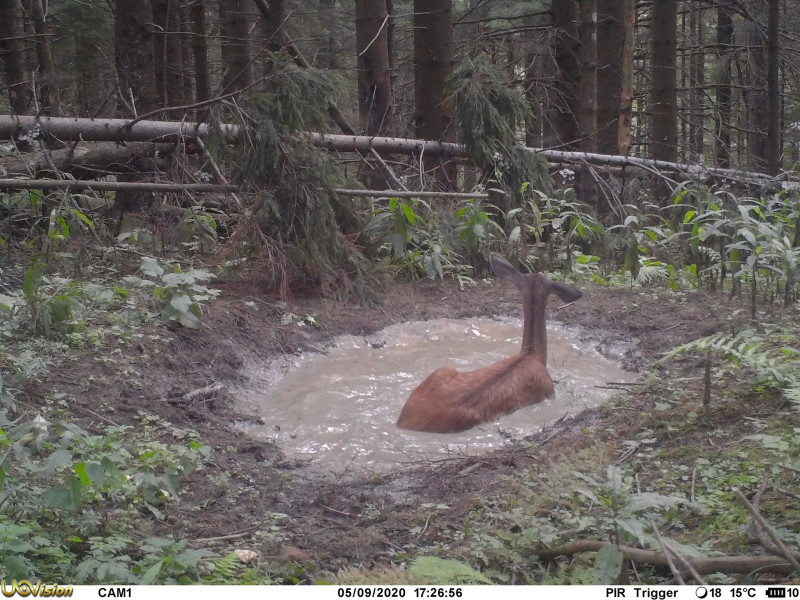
pixel 89 161
pixel 104 186
pixel 120 130
pixel 703 566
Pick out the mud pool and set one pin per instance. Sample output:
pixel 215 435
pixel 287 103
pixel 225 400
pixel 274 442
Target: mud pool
pixel 337 410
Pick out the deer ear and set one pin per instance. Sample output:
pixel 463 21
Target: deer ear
pixel 567 293
pixel 505 270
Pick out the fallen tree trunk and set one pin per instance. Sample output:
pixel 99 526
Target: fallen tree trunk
pixel 105 186
pixel 703 566
pixel 89 161
pixel 120 130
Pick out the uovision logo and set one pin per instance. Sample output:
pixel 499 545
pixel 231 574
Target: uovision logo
pixel 39 590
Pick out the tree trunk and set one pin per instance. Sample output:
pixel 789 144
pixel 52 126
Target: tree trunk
pixel 433 62
pixel 235 42
pixel 773 89
pixel 697 84
pixel 174 63
pixel 626 90
pixel 757 97
pixel 160 29
pixel 186 52
pixel 19 77
pixel 375 102
pixel 121 130
pixel 723 98
pixel 328 57
pixel 49 97
pixel 609 73
pixel 587 98
pixel 535 58
pixel 664 101
pixel 200 51
pixel 133 56
pixel 565 23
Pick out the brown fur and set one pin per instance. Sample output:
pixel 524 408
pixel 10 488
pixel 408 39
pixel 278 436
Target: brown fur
pixel 449 401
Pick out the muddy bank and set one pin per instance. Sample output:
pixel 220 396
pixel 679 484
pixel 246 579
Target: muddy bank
pixel 250 479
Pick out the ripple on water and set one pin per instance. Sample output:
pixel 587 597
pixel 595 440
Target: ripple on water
pixel 338 410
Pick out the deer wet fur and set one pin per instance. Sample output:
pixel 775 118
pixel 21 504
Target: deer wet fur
pixel 449 401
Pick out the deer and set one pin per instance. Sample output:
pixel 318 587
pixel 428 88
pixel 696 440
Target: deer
pixel 449 401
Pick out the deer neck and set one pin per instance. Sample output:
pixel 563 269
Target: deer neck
pixel 534 330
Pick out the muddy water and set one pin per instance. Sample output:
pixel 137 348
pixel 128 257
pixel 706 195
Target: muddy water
pixel 338 410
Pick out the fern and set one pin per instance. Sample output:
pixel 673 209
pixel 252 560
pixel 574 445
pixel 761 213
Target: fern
pixel 439 571
pixel 769 355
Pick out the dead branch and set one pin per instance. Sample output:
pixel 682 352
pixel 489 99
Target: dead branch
pixel 703 566
pixel 666 553
pixel 762 522
pixel 70 184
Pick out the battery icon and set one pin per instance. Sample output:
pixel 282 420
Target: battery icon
pixel 776 592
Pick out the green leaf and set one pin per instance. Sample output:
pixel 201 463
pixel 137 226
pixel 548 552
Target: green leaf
pixel 150 575
pixel 60 497
pixel 80 469
pixel 409 212
pixel 57 459
pixel 86 220
pixel 150 267
pixel 32 281
pixel 607 565
pixel 182 309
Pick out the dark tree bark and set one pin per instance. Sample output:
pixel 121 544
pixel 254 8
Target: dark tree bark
pixel 375 102
pixel 134 60
pixel 757 96
pixel 587 98
pixel 19 77
pixel 433 63
pixel 234 34
pixel 610 33
pixel 160 27
pixel 535 59
pixel 200 50
pixel 723 97
pixel 626 91
pixel 49 95
pixel 328 56
pixel 663 102
pixel 186 52
pixel 174 54
pixel 696 114
pixel 567 44
pixel 773 89
pixel 133 56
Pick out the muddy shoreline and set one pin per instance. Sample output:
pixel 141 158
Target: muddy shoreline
pixel 248 480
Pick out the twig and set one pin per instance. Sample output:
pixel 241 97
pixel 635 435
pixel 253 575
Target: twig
pixel 694 481
pixel 767 527
pixel 338 512
pixel 419 535
pixel 202 392
pixel 94 414
pixel 230 536
pixel 697 577
pixel 667 553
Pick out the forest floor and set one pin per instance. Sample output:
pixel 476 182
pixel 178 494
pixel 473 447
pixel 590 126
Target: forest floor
pixel 307 529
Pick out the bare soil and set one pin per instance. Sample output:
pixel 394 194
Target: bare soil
pixel 330 523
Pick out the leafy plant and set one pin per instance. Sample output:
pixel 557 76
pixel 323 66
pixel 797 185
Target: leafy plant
pixel 57 482
pixel 179 293
pixel 773 355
